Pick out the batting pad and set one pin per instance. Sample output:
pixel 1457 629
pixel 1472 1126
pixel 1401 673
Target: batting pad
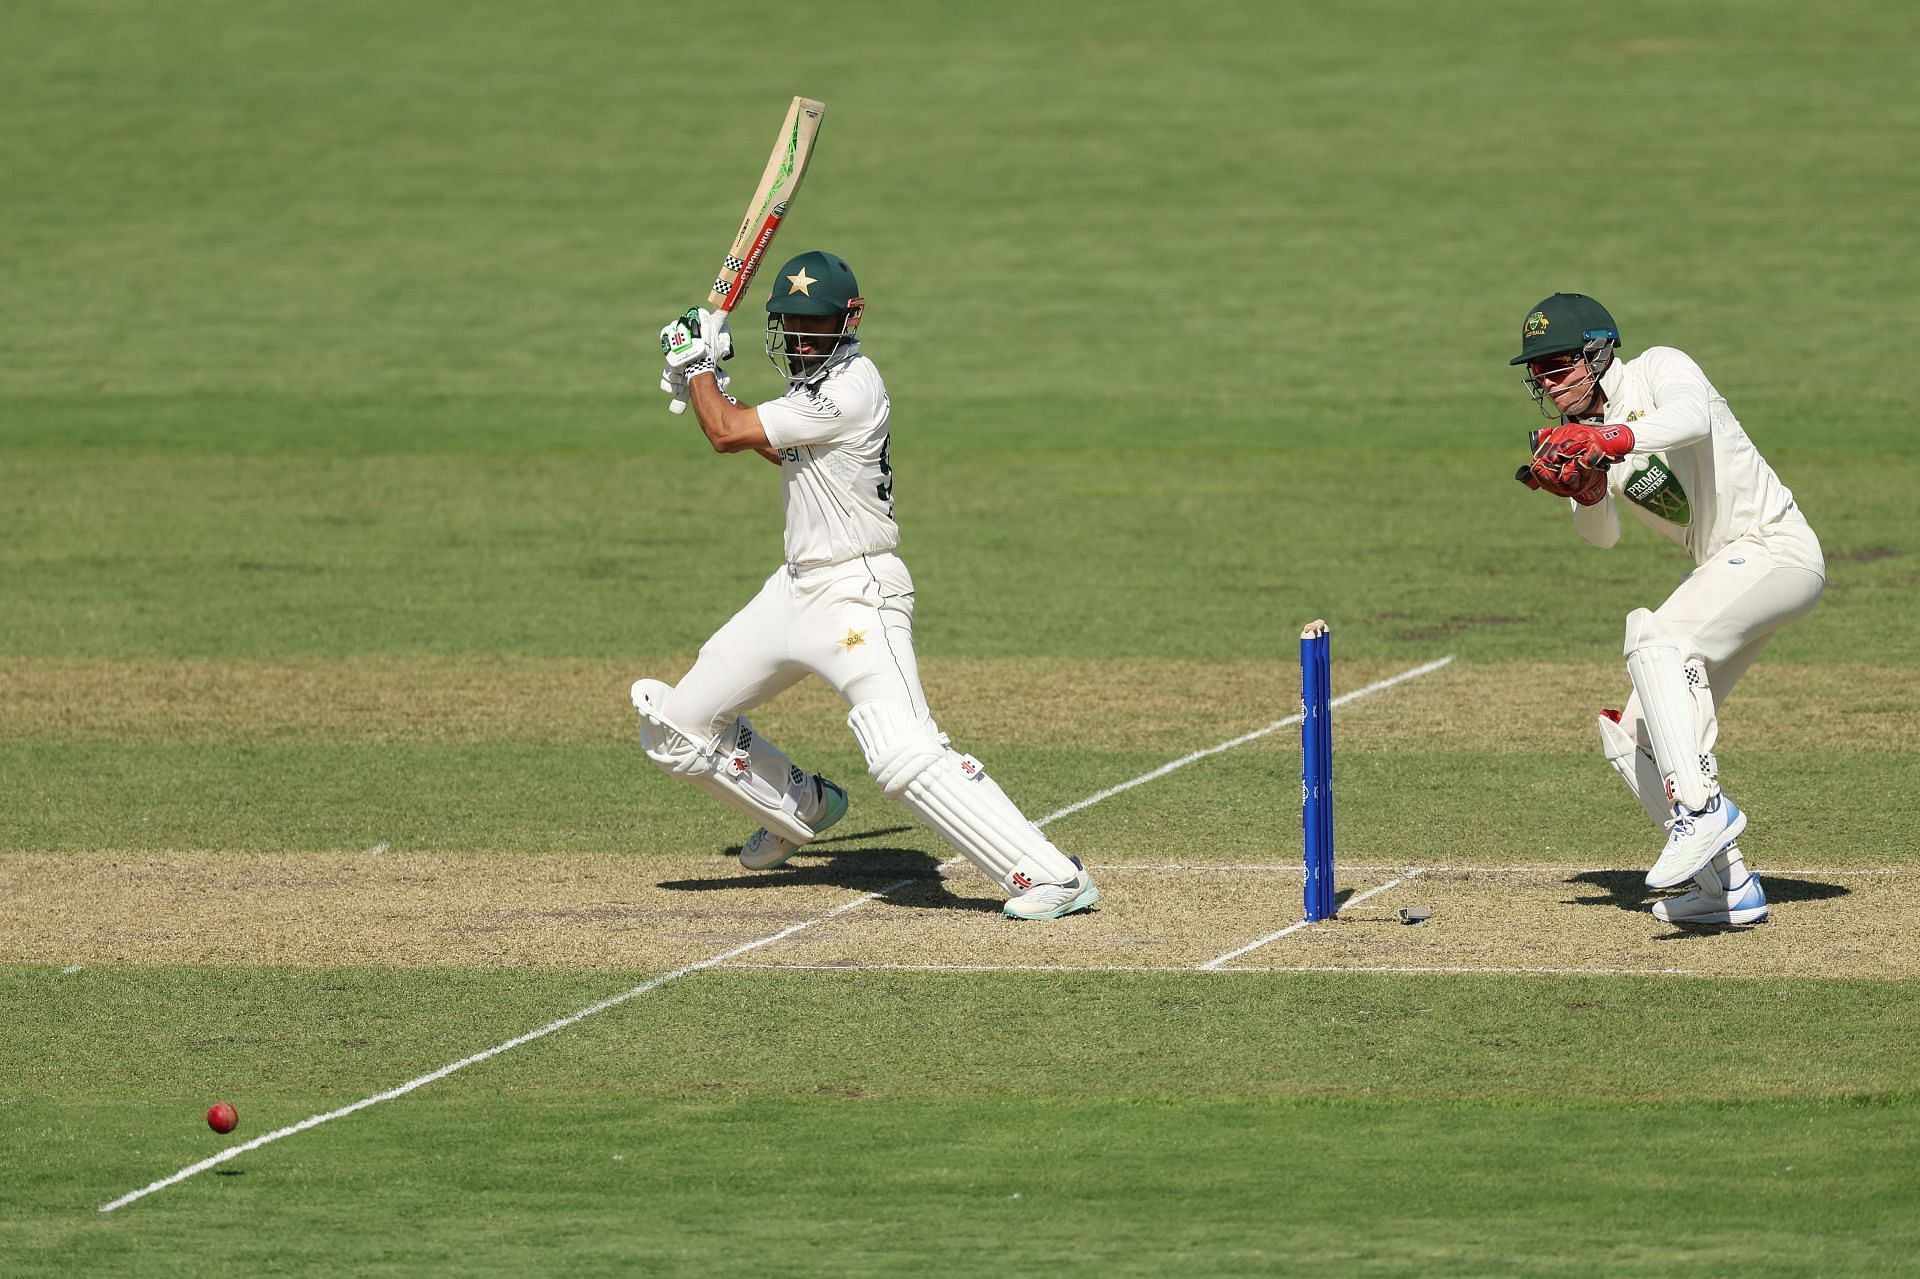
pixel 953 794
pixel 752 774
pixel 1636 769
pixel 1678 707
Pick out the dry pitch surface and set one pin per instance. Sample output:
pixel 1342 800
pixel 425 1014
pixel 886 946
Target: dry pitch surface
pixel 855 907
pixel 606 913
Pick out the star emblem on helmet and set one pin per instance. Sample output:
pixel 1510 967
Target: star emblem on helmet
pixel 800 282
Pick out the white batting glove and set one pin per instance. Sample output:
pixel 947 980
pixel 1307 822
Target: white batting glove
pixel 719 336
pixel 697 335
pixel 673 382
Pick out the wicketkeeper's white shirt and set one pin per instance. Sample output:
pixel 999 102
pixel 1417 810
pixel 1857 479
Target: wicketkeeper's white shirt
pixel 1693 476
pixel 836 478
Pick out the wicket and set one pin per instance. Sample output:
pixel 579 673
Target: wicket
pixel 1316 769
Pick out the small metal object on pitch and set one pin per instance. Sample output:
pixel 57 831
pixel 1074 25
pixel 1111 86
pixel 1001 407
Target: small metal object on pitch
pixel 1316 769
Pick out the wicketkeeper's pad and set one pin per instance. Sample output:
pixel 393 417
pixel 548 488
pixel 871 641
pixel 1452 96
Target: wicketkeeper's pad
pixel 1678 706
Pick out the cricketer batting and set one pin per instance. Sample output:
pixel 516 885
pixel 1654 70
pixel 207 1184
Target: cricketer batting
pixel 1653 435
pixel 841 608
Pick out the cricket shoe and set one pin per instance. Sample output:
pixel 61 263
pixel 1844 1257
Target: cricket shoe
pixel 1694 838
pixel 1050 901
pixel 1746 904
pixel 764 850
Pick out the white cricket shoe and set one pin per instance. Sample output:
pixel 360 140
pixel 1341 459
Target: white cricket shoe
pixel 1050 901
pixel 1746 904
pixel 764 850
pixel 1694 838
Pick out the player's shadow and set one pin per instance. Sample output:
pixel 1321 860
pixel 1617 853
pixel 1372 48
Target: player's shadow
pixel 1627 890
pixel 866 869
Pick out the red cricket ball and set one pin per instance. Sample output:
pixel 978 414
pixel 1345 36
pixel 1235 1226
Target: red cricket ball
pixel 221 1117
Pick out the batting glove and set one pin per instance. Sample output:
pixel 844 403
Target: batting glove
pixel 697 335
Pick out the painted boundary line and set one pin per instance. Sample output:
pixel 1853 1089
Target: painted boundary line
pixel 716 960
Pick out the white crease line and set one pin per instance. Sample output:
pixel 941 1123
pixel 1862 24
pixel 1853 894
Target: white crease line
pixel 1354 900
pixel 612 1002
pixel 1243 739
pixel 678 973
pixel 1188 969
pixel 1463 969
pixel 969 968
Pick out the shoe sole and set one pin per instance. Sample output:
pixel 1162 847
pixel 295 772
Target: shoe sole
pixel 1717 918
pixel 782 859
pixel 1656 878
pixel 751 861
pixel 1080 901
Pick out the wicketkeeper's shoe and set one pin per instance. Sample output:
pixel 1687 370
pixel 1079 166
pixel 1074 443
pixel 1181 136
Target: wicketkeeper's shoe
pixel 765 850
pixel 1746 904
pixel 1694 838
pixel 1050 901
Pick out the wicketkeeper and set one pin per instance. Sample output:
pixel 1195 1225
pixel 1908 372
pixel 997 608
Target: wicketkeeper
pixel 1651 434
pixel 841 607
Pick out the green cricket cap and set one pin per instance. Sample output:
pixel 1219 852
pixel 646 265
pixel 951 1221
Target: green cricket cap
pixel 814 283
pixel 1564 322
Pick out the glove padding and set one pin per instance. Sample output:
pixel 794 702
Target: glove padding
pixel 697 335
pixel 1572 460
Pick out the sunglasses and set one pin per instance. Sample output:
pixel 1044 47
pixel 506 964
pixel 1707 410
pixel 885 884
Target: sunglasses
pixel 1554 363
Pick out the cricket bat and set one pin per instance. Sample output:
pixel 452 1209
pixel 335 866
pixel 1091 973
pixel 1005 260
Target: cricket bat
pixel 779 183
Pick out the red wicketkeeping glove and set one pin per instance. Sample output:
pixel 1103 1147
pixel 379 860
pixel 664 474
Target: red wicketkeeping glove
pixel 1572 460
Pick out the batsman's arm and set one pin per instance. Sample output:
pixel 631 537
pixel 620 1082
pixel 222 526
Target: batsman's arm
pixel 729 426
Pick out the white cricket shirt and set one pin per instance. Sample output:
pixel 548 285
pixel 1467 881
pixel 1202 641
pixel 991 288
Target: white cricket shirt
pixel 1693 476
pixel 836 478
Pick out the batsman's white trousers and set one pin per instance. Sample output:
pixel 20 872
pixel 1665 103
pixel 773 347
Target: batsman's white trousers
pixel 1726 611
pixel 851 624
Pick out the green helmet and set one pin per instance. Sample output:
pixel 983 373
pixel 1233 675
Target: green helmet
pixel 813 284
pixel 1566 324
pixel 1562 323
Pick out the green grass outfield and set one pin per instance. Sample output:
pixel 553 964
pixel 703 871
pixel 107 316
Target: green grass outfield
pixel 337 506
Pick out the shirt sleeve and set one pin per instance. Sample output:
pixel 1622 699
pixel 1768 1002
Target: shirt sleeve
pixel 1681 396
pixel 1598 524
pixel 826 414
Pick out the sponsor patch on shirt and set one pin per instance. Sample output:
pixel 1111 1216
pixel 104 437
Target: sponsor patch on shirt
pixel 1655 488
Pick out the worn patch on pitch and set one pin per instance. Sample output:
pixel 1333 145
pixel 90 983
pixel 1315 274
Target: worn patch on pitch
pixel 626 913
pixel 1832 923
pixel 403 910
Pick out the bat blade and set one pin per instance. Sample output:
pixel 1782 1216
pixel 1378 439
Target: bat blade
pixel 779 183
